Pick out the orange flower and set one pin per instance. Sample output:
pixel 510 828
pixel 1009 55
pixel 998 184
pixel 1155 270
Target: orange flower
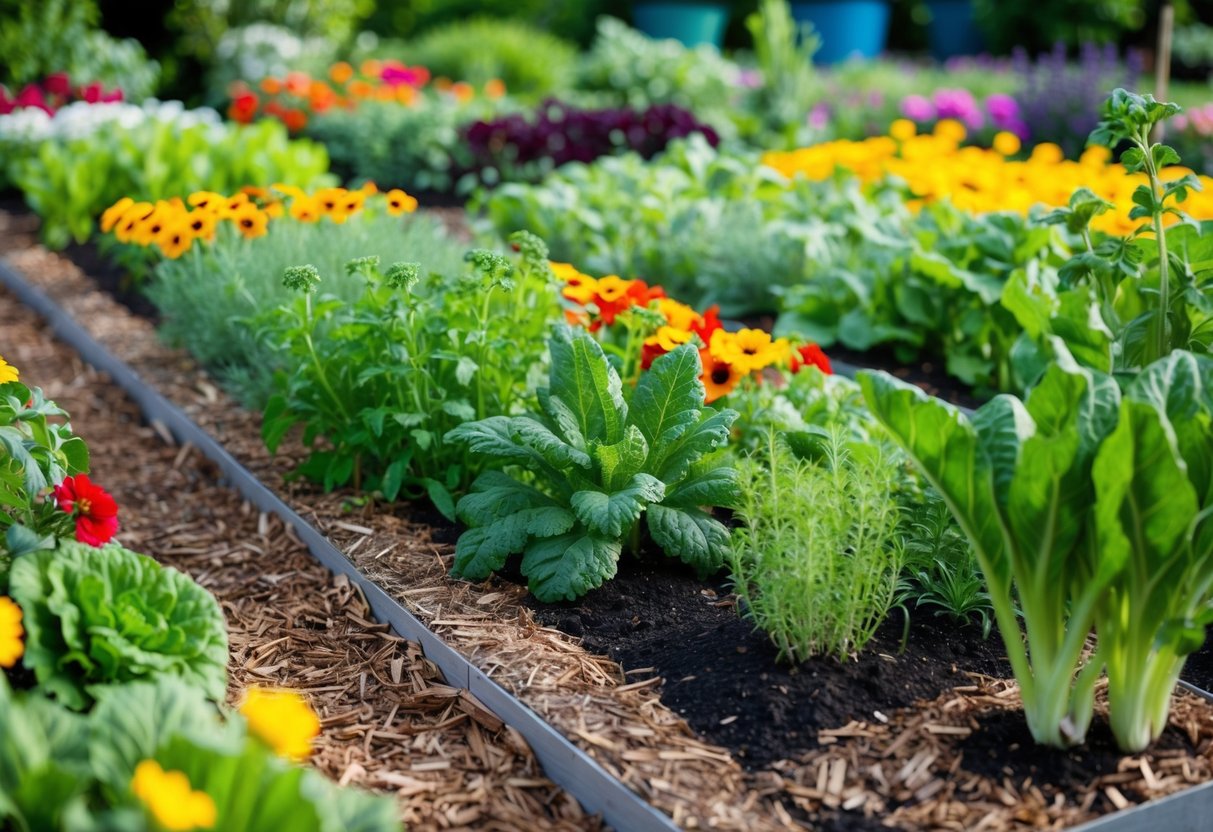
pixel 294 119
pixel 234 203
pixel 369 187
pixel 330 199
pixel 125 228
pixel 463 91
pixel 371 68
pixel 719 376
pixel 114 213
pixel 341 72
pixel 405 94
pixel 202 224
pixel 811 355
pixel 305 209
pixel 398 202
pixel 298 83
pixel 360 89
pixel 251 221
pixel 176 239
pixel 207 201
pixel 495 88
pixel 270 86
pixel 664 340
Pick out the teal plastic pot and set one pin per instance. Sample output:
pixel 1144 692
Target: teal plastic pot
pixel 847 28
pixel 952 30
pixel 691 23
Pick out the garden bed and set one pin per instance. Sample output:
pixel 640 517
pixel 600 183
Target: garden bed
pixel 860 745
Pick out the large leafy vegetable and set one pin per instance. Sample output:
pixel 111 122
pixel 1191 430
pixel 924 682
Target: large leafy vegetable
pixel 96 617
pixel 1091 508
pixel 598 464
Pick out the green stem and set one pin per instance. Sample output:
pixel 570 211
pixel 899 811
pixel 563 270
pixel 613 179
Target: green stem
pixel 1161 339
pixel 311 348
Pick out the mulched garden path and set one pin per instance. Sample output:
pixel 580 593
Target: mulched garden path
pixel 928 766
pixel 389 721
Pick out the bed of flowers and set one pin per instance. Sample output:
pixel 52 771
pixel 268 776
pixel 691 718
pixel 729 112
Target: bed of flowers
pixel 623 433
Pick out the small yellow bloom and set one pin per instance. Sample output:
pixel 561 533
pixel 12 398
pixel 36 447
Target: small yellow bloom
pixel 398 202
pixel 207 201
pixel 903 129
pixel 250 220
pixel 202 224
pixel 293 191
pixel 330 200
pixel 678 315
pixel 176 238
pixel 7 372
pixel 369 187
pixel 949 129
pixel 11 633
pixel 170 800
pixel 494 88
pixel 305 209
pixel 748 350
pixel 1048 153
pixel 235 203
pixel 668 338
pixel 1006 143
pixel 283 720
pixel 114 213
pixel 148 230
pixel 612 287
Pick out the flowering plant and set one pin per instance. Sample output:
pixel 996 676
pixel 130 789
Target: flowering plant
pixel 54 92
pixel 998 113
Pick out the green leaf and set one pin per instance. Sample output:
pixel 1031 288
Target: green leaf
pixel 566 567
pixel 611 515
pixel 691 535
pixel 485 549
pixel 668 397
pixel 620 461
pixel 583 379
pixel 671 463
pixel 714 487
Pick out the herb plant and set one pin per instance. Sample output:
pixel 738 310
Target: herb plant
pixel 377 382
pixel 98 617
pixel 1091 508
pixel 590 465
pixel 817 559
pixel 941 571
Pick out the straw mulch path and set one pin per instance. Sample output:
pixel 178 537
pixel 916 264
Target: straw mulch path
pixel 389 722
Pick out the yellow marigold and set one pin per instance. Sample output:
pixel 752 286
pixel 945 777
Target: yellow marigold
pixel 250 220
pixel 11 633
pixel 114 213
pixel 398 202
pixel 7 371
pixel 1048 153
pixel 1006 143
pixel 305 209
pixel 748 350
pixel 903 129
pixel 207 201
pixel 170 800
pixel 176 238
pixel 293 191
pixel 678 315
pixel 283 720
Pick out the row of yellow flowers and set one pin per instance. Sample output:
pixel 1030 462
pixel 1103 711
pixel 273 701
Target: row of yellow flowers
pixel 173 225
pixel 935 166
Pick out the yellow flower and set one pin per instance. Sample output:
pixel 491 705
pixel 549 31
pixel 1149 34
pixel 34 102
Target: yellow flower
pixel 719 376
pixel 398 202
pixel 667 338
pixel 11 633
pixel 281 719
pixel 170 800
pixel 1006 143
pixel 274 209
pixel 949 129
pixel 903 129
pixel 580 288
pixel 1048 153
pixel 678 315
pixel 250 220
pixel 125 228
pixel 114 213
pixel 293 191
pixel 202 224
pixel 330 200
pixel 748 350
pixel 369 187
pixel 176 238
pixel 612 287
pixel 234 203
pixel 147 231
pixel 564 271
pixel 305 209
pixel 7 372
pixel 207 201
pixel 352 203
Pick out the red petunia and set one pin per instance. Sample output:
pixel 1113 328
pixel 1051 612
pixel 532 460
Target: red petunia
pixel 95 511
pixel 811 355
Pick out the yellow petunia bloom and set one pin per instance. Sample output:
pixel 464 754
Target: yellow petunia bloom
pixel 283 720
pixel 7 372
pixel 170 800
pixel 12 646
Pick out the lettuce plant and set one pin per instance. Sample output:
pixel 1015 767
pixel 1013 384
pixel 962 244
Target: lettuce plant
pixel 1092 509
pixel 592 463
pixel 96 617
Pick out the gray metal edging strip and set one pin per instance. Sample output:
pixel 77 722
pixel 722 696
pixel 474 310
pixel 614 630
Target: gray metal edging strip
pixel 564 763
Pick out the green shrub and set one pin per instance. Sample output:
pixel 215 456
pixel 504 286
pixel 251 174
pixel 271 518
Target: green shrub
pixel 817 558
pixel 532 63
pixel 99 617
pixel 208 297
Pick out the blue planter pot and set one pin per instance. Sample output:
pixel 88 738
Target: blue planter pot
pixel 691 23
pixel 846 27
pixel 952 30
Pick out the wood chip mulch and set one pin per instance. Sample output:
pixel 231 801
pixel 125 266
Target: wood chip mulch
pixel 909 772
pixel 389 721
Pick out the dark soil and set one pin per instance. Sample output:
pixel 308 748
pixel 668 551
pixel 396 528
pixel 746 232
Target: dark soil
pixel 722 677
pixel 1198 669
pixel 929 375
pixel 110 278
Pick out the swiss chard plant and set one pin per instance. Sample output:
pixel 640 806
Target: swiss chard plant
pixel 1091 508
pixel 590 466
pixel 377 382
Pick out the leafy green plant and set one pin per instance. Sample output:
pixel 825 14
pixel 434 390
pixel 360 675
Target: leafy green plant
pixel 37 450
pixel 592 464
pixel 379 381
pixel 97 617
pixel 69 182
pixel 784 52
pixel 532 63
pixel 940 568
pixel 207 298
pixel 1092 509
pixel 817 558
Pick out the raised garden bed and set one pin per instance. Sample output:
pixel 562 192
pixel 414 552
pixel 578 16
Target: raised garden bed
pixel 857 746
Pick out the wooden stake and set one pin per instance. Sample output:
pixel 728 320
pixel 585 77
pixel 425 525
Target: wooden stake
pixel 1162 60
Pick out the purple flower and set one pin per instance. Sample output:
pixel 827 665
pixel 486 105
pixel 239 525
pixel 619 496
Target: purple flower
pixel 1003 109
pixel 917 108
pixel 750 79
pixel 819 116
pixel 959 104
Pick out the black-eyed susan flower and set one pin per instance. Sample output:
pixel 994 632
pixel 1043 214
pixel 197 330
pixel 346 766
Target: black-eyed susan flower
pixel 170 800
pixel 305 209
pixel 12 635
pixel 114 213
pixel 719 376
pixel 202 224
pixel 250 220
pixel 749 350
pixel 208 201
pixel 330 200
pixel 282 719
pixel 399 202
pixel 176 238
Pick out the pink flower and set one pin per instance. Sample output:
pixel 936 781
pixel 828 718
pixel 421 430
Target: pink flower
pixel 917 108
pixel 57 83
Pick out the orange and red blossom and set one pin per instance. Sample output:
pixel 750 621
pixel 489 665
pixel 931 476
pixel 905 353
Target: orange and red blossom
pixel 94 509
pixel 811 355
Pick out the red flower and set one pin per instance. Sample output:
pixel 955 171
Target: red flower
pixel 810 355
pixel 243 107
pixel 95 511
pixel 57 83
pixel 709 322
